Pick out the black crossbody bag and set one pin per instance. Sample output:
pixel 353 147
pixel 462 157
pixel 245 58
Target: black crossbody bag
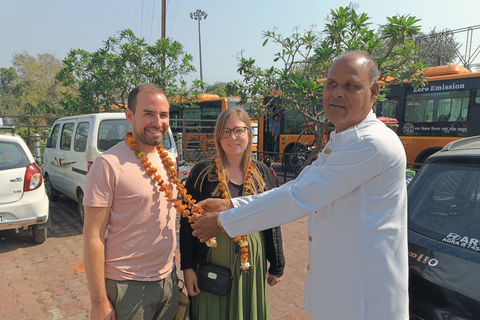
pixel 215 279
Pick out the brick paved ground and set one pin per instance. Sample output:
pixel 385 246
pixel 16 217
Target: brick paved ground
pixel 48 281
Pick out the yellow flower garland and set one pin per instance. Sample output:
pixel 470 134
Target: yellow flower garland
pixel 247 185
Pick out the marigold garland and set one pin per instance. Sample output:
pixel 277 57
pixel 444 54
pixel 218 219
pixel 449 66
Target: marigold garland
pixel 187 201
pixel 179 205
pixel 247 188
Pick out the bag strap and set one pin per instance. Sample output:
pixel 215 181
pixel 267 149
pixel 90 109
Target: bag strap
pixel 178 284
pixel 237 250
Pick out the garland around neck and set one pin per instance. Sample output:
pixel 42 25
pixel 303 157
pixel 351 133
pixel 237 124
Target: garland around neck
pixel 186 200
pixel 247 190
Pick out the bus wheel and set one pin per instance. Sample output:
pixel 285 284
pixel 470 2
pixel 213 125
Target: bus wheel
pixel 295 158
pixel 422 157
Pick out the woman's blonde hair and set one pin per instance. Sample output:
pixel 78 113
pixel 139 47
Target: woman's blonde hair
pixel 258 184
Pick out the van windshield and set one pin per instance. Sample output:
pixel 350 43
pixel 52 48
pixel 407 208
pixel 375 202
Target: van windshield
pixel 112 132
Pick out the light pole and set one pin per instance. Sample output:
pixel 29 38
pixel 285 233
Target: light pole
pixel 198 15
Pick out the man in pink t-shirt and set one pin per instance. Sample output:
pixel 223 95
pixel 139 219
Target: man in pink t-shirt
pixel 129 230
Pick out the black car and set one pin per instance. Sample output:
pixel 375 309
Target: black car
pixel 444 234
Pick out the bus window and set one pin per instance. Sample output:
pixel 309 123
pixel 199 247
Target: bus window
pixel 211 110
pixel 191 113
pixel 292 122
pixel 387 109
pixel 419 108
pixel 437 106
pixel 455 106
pixel 232 104
pixel 174 123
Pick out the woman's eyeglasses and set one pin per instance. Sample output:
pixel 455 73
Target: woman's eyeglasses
pixel 237 131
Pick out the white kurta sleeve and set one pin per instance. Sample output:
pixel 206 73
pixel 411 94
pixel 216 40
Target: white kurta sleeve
pixel 329 178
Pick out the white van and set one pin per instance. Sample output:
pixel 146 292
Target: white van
pixel 75 142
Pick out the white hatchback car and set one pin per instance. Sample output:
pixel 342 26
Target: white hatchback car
pixel 23 201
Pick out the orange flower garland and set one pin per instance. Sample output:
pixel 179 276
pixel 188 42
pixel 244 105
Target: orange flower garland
pixel 180 206
pixel 247 185
pixel 187 201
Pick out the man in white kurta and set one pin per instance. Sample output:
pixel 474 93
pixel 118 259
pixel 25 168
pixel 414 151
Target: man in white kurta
pixel 354 195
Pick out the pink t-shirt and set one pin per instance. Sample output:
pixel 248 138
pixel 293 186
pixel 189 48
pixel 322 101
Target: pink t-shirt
pixel 140 241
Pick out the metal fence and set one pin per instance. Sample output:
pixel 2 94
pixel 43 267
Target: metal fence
pixel 34 130
pixel 278 161
pixel 196 142
pixel 33 127
pixel 194 139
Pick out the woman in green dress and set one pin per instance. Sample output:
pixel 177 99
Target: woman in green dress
pixel 231 174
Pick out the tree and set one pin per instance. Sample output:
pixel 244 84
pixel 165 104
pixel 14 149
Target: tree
pixel 306 58
pixel 217 88
pixel 29 87
pixel 437 48
pixel 105 77
pixel 9 100
pixel 41 92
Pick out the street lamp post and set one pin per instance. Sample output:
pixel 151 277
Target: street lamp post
pixel 198 15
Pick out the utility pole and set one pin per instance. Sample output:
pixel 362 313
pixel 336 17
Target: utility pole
pixel 198 15
pixel 164 17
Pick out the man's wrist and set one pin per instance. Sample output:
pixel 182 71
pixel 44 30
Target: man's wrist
pixel 219 223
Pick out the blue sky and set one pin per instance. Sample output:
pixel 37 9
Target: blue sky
pixel 55 26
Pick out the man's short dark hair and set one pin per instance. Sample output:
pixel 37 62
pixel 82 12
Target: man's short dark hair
pixel 147 87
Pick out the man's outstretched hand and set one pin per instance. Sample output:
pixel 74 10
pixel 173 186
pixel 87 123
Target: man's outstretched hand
pixel 207 226
pixel 215 205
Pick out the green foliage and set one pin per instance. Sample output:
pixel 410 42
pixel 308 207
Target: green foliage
pixel 306 59
pixel 29 88
pixel 9 91
pixel 217 88
pixel 103 79
pixel 437 48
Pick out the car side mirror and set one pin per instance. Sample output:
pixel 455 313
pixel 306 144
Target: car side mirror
pixel 49 142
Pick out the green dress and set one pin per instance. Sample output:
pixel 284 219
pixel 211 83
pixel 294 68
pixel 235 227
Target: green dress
pixel 248 297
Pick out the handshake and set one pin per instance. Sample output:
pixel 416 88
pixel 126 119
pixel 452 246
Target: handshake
pixel 208 225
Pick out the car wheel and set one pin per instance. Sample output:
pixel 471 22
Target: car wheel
pixel 51 192
pixel 39 235
pixel 81 209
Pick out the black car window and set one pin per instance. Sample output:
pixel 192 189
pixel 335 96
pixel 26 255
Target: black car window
pixel 54 136
pixel 444 204
pixel 12 156
pixel 67 133
pixel 81 135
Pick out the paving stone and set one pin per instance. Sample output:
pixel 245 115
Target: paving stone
pixel 48 281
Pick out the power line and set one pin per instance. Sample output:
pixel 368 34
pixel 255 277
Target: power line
pixel 151 25
pixel 141 21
